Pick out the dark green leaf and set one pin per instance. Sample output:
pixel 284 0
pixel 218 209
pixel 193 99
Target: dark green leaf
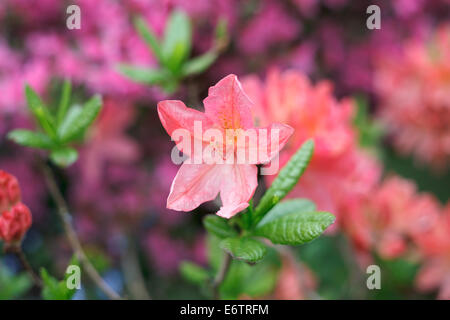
pixel 177 40
pixel 64 157
pixel 246 249
pixel 295 228
pixel 218 226
pixel 31 139
pixel 149 37
pixel 77 122
pixel 286 180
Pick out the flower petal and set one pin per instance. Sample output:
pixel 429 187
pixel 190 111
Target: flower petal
pixel 174 115
pixel 227 105
pixel 237 188
pixel 270 141
pixel 193 185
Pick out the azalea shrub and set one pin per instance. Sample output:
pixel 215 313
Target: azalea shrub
pixel 224 149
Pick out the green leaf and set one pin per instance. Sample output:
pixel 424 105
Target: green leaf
pixel 77 122
pixel 143 75
pixel 39 111
pixel 64 157
pixel 246 249
pixel 218 226
pixel 13 286
pixel 31 139
pixel 177 40
pixel 64 102
pixel 54 289
pixel 193 273
pixel 286 180
pixel 149 37
pixel 288 207
pixel 295 228
pixel 199 64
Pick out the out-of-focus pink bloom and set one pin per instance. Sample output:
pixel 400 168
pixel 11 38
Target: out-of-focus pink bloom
pixel 392 215
pixel 435 249
pixel 108 142
pixel 295 280
pixel 413 87
pixel 226 107
pixel 271 25
pixel 338 172
pixel 166 253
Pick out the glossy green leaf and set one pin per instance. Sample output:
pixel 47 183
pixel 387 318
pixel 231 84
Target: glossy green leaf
pixel 39 111
pixel 142 74
pixel 245 249
pixel 288 207
pixel 77 122
pixel 218 226
pixel 199 64
pixel 64 157
pixel 194 273
pixel 295 228
pixel 31 139
pixel 286 180
pixel 149 37
pixel 177 40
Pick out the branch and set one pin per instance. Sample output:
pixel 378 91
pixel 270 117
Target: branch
pixel 72 236
pixel 221 275
pixel 17 250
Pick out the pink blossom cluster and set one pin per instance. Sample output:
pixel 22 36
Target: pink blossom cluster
pixel 413 86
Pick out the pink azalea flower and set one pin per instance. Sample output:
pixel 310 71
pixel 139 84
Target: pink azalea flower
pixel 226 107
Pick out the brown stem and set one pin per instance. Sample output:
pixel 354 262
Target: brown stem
pixel 72 236
pixel 17 250
pixel 221 275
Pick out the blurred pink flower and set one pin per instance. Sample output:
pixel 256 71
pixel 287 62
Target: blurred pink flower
pixel 414 91
pixel 271 25
pixel 339 172
pixel 435 248
pixel 393 214
pixel 226 107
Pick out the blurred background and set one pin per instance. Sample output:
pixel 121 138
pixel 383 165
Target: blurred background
pixel 377 103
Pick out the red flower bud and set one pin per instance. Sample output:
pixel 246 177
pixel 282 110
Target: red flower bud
pixel 15 223
pixel 9 191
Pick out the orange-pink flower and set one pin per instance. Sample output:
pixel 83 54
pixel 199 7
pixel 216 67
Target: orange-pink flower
pixel 339 172
pixel 227 114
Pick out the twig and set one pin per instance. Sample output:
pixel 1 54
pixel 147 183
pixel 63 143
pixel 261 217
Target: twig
pixel 221 275
pixel 72 236
pixel 17 250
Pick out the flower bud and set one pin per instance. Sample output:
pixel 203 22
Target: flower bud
pixel 15 223
pixel 9 191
